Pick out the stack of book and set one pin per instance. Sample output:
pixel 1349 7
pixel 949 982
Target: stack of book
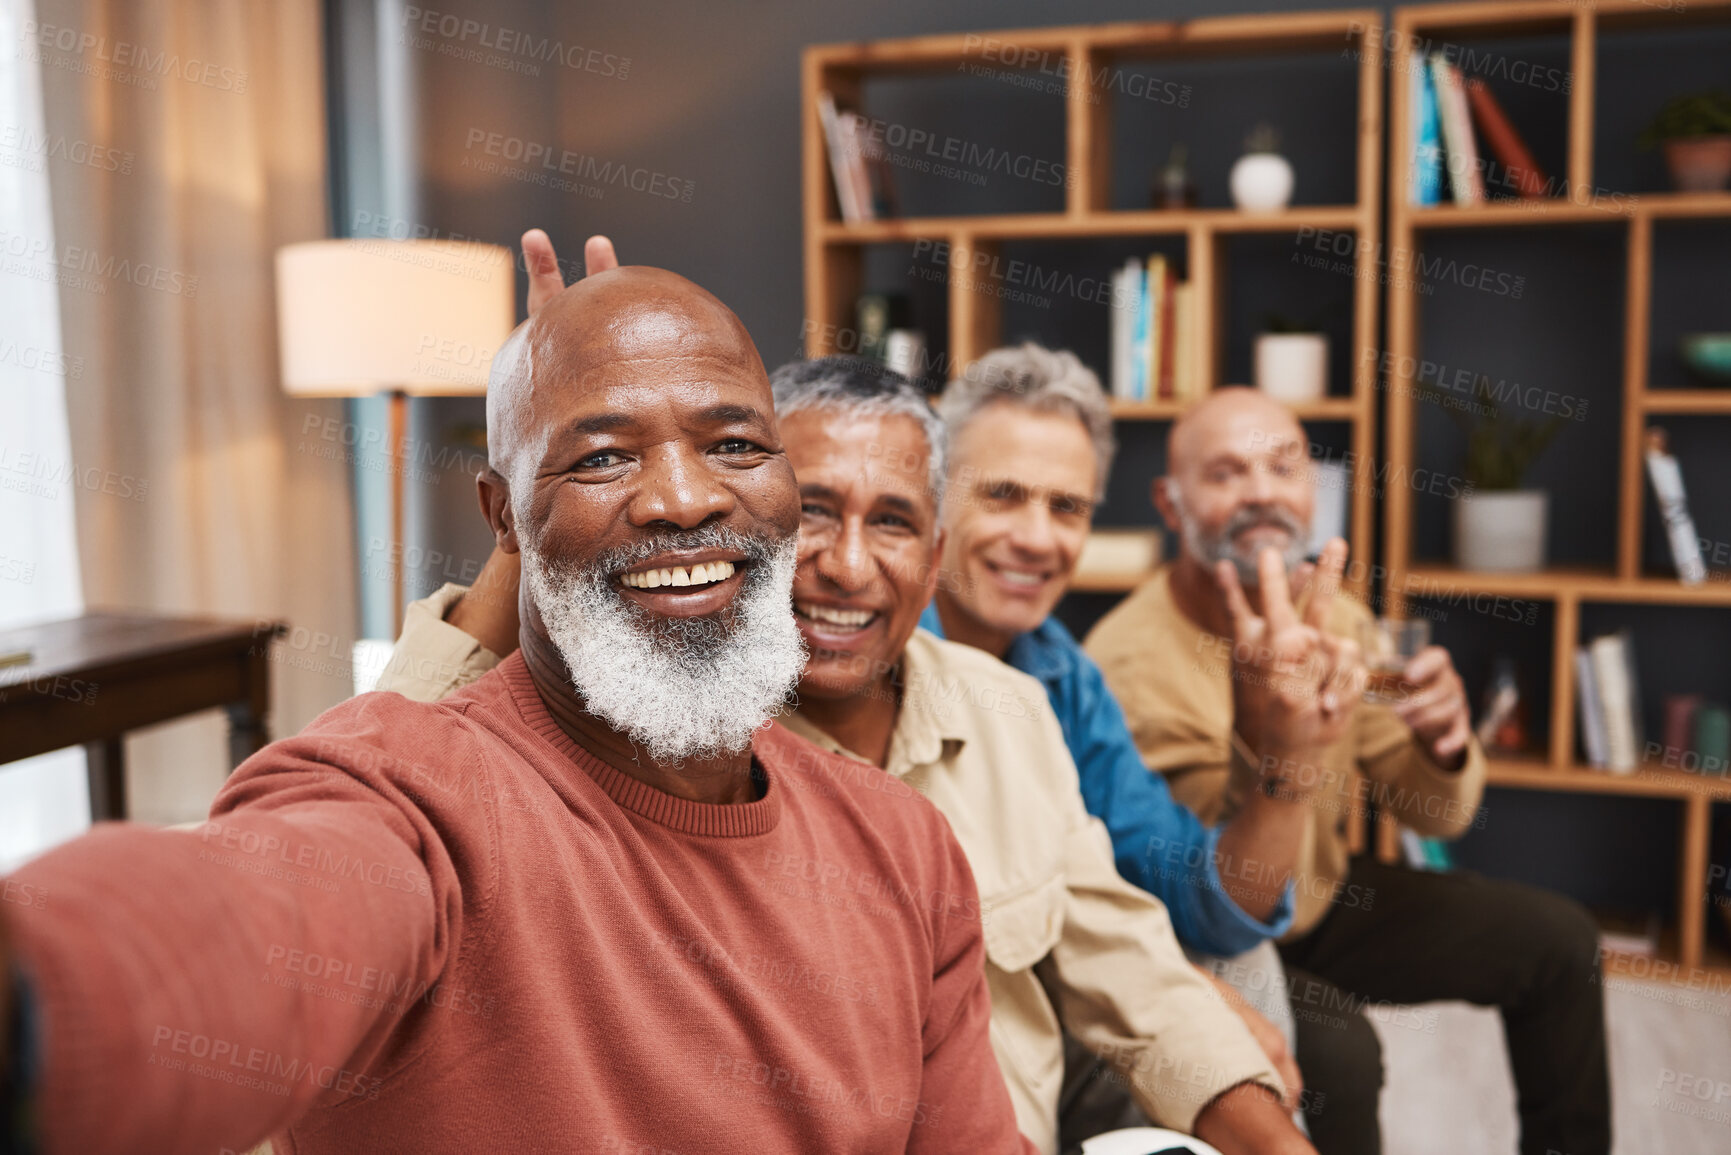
pixel 1445 106
pixel 1154 333
pixel 1610 703
pixel 857 163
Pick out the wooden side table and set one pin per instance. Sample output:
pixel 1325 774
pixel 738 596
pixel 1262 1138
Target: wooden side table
pixel 92 678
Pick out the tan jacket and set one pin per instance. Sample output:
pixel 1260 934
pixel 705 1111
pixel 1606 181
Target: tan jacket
pixel 980 741
pixel 1173 680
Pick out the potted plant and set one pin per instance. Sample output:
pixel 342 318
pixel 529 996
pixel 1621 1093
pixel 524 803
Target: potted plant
pixel 1290 361
pixel 1695 132
pixel 1498 525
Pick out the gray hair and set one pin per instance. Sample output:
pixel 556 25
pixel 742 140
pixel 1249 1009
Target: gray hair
pixel 1044 380
pixel 868 388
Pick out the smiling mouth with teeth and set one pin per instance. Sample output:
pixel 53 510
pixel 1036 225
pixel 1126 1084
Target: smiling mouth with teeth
pixel 704 574
pixel 830 616
pixel 1018 577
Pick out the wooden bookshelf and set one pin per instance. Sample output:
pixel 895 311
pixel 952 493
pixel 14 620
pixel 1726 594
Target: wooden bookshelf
pixel 1567 589
pixel 834 261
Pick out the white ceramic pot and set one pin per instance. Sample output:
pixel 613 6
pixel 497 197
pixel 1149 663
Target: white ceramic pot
pixel 1261 182
pixel 1501 530
pixel 1292 367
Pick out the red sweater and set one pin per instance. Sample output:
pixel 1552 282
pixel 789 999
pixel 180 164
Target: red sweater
pixel 447 927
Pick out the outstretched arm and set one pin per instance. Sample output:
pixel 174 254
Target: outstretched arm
pixel 144 951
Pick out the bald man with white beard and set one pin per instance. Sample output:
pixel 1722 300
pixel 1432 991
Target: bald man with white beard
pixel 549 912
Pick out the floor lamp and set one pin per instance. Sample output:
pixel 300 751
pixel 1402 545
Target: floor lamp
pixel 356 318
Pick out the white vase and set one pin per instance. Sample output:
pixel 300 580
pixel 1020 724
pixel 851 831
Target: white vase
pixel 1261 182
pixel 1501 530
pixel 1292 367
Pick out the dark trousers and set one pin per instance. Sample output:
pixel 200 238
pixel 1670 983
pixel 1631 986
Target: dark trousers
pixel 1095 1099
pixel 1418 936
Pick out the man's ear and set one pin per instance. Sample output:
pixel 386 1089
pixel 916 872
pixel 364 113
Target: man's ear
pixel 1162 494
pixel 495 498
pixel 937 565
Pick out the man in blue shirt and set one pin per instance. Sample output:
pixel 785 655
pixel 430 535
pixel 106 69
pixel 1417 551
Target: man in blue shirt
pixel 1031 446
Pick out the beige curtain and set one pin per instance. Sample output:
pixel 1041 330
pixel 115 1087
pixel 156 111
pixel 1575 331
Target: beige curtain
pixel 201 128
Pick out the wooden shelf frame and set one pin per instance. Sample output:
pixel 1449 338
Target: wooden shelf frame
pixel 1567 589
pixel 833 249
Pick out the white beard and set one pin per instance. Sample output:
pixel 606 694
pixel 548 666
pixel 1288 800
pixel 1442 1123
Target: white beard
pixel 1212 550
pixel 679 687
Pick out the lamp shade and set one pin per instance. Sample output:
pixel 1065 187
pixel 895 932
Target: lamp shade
pixel 358 317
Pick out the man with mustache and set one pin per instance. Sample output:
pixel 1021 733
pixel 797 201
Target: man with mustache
pixel 1239 494
pixel 1069 943
pixel 594 885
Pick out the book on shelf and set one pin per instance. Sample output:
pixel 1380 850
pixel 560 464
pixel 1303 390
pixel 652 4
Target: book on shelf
pixel 1466 185
pixel 1667 478
pixel 840 165
pixel 1613 662
pixel 1140 338
pixel 1510 150
pixel 1186 344
pixel 1126 305
pixel 857 164
pixel 1446 109
pixel 1425 185
pixel 1423 853
pixel 1592 714
pixel 1158 371
pixel 1156 333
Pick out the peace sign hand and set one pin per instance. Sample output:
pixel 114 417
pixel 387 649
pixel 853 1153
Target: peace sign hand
pixel 1294 686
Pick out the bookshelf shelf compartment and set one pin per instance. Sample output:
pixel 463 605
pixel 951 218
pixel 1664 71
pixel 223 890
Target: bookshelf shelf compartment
pixel 1585 600
pixel 1327 409
pixel 1056 226
pixel 1616 208
pixel 1584 585
pixel 1092 55
pixel 1687 402
pixel 1647 782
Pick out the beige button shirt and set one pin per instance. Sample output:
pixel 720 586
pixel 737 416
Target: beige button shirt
pixel 1061 926
pixel 1173 680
